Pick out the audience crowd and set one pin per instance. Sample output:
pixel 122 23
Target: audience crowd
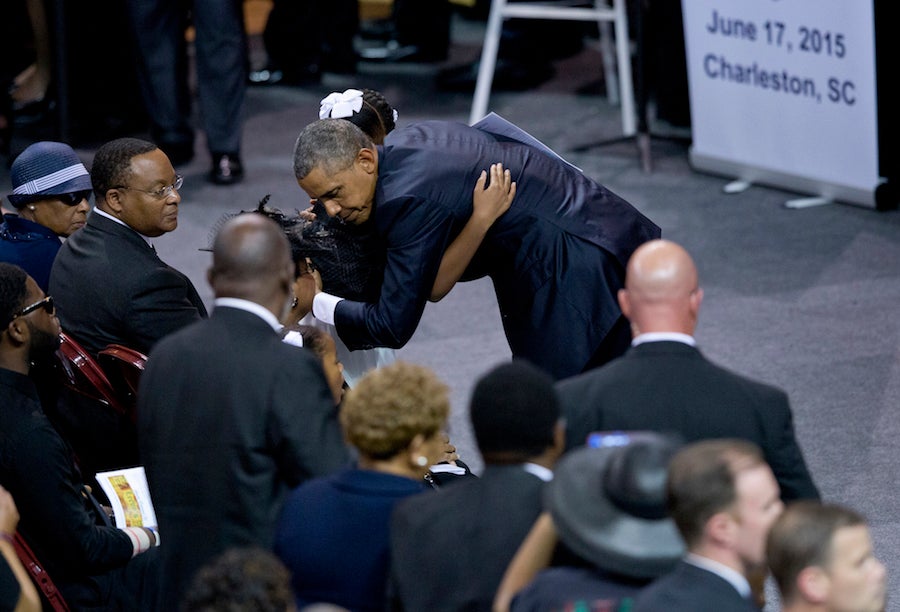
pixel 657 481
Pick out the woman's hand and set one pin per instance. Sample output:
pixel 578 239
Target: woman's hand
pixel 489 203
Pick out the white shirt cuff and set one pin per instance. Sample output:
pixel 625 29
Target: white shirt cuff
pixel 324 305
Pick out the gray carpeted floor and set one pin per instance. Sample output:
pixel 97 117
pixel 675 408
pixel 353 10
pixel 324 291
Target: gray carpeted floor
pixel 803 299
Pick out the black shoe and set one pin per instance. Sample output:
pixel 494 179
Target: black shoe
pixel 227 169
pixel 273 76
pixel 393 51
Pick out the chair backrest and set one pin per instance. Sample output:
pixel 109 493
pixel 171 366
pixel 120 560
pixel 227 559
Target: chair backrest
pixel 82 374
pixel 123 367
pixel 39 576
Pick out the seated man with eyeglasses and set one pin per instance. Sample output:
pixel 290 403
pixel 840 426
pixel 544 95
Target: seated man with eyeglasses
pixel 50 193
pixel 108 282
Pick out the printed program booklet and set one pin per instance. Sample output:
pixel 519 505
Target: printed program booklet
pixel 129 497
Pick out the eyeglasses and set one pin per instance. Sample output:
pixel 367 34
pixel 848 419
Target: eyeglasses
pixel 161 193
pixel 74 198
pixel 46 303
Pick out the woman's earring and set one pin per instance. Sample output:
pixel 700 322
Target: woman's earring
pixel 421 460
pixel 31 207
pixel 294 302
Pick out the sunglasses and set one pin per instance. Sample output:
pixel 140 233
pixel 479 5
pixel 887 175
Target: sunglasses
pixel 74 198
pixel 46 303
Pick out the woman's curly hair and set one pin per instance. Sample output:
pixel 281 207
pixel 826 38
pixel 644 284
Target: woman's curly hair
pixel 391 405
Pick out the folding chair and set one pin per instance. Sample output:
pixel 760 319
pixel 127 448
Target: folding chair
pixel 601 12
pixel 123 367
pixel 39 576
pixel 83 375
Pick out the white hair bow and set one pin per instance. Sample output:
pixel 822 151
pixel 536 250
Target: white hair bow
pixel 339 105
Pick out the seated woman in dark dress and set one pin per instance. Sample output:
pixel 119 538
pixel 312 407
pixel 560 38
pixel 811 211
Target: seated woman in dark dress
pixel 333 532
pixel 51 188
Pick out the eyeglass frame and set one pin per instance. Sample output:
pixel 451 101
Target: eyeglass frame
pixel 161 193
pixel 46 303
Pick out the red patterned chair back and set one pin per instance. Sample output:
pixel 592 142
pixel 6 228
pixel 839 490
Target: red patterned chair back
pixel 39 576
pixel 82 374
pixel 123 367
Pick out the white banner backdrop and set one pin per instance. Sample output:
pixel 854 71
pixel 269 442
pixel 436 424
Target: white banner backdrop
pixel 783 92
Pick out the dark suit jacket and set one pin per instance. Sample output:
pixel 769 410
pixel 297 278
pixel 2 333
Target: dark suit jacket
pixel 110 287
pixel 670 386
pixel 229 418
pixel 449 549
pixel 556 258
pixel 689 588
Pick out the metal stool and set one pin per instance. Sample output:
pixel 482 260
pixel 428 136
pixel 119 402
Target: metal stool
pixel 601 12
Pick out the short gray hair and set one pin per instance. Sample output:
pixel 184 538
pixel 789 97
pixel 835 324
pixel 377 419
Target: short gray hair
pixel 331 144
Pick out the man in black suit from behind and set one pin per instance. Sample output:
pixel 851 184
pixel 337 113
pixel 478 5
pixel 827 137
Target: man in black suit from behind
pixel 449 548
pixel 723 499
pixel 229 416
pixel 109 283
pixel 664 383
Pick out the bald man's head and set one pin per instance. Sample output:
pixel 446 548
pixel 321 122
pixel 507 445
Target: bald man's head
pixel 252 261
pixel 662 291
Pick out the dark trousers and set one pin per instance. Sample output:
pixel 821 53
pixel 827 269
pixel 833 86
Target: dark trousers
pixel 221 64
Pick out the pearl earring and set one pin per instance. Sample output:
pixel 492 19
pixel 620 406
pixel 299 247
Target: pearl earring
pixel 294 302
pixel 31 208
pixel 421 460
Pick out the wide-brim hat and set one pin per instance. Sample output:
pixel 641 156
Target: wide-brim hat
pixel 46 169
pixel 608 505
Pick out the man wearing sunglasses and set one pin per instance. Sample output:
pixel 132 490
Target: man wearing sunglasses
pixel 51 188
pixel 109 283
pixel 93 564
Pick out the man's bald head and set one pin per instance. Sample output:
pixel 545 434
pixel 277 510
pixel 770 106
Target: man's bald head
pixel 252 261
pixel 662 291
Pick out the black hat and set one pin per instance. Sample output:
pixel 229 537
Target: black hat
pixel 46 169
pixel 514 408
pixel 609 504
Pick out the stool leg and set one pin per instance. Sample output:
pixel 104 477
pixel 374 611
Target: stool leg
pixel 488 61
pixel 626 88
pixel 608 52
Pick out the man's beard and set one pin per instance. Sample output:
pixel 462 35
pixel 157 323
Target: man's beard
pixel 43 344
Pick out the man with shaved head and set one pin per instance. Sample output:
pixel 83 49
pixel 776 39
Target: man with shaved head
pixel 664 383
pixel 229 416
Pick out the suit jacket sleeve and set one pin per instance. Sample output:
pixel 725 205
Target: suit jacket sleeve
pixel 582 417
pixel 784 456
pixel 160 307
pixel 303 428
pixel 416 240
pixel 58 509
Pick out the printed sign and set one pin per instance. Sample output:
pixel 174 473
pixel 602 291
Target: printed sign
pixel 783 92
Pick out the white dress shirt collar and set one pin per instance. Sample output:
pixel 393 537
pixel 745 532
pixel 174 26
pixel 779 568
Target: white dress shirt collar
pixel 664 337
pixel 538 470
pixel 246 305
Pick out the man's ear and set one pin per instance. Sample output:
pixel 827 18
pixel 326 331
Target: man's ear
pixel 113 200
pixel 18 331
pixel 696 299
pixel 367 159
pixel 720 528
pixel 813 584
pixel 624 302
